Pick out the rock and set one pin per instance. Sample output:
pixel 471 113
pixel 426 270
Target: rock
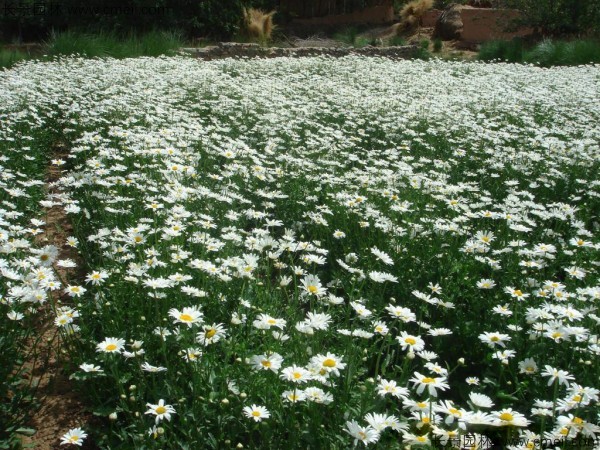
pixel 449 25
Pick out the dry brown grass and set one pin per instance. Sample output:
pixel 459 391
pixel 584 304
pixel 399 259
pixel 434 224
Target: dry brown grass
pixel 412 13
pixel 259 24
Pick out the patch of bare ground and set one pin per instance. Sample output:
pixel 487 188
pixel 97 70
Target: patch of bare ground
pixel 59 408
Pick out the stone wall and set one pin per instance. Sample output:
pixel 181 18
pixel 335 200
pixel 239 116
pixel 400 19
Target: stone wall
pixel 235 50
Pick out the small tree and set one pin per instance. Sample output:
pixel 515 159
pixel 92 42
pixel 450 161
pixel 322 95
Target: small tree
pixel 560 17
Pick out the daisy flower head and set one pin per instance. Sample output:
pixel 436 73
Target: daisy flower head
pixel 528 366
pixel 192 354
pixel 431 383
pixel 75 436
pixel 296 374
pixel 399 312
pixel 339 234
pixel 561 376
pixel 312 286
pixel 295 396
pixel 147 367
pixel 410 342
pixel 494 339
pixel 480 400
pixel 508 417
pixel 265 322
pixel 366 435
pixel 75 291
pixel 96 277
pixel 211 334
pixel 90 368
pixel 256 413
pixel 390 387
pixel 267 362
pixel 382 256
pixel 111 345
pixel 382 277
pixel 190 315
pixel 160 410
pixel 327 364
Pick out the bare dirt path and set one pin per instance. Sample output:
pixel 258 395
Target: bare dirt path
pixel 60 409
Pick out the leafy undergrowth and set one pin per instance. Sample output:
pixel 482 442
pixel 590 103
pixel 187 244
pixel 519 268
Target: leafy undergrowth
pixel 547 53
pixel 323 253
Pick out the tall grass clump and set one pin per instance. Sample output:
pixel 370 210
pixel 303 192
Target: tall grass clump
pixel 9 58
pixel 259 24
pixel 561 53
pixel 507 51
pixel 546 53
pixel 110 44
pixel 412 13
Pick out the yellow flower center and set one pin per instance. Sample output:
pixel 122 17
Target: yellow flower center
pixel 577 420
pixel 422 405
pixel 256 413
pixel 312 289
pixel 74 438
pixel 410 341
pixel 421 438
pixel 271 321
pixel 455 411
pixel 297 375
pixel 518 293
pixel 556 334
pixel 329 362
pixel 494 339
pixel 111 347
pixel 210 333
pixel 266 363
pixel 507 417
pixel 425 419
pixel 577 398
pixel 564 431
pixel 186 318
pixel 138 239
pixel 428 380
pixel 161 410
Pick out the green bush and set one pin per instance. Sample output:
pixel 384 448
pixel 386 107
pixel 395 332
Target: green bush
pixel 560 17
pixel 111 44
pixel 215 18
pixel 546 53
pixel 8 58
pixel 509 51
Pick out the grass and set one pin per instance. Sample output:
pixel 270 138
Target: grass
pixel 546 53
pixel 110 44
pixel 9 58
pixel 351 36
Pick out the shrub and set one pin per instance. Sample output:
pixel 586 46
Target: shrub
pixel 412 13
pixel 546 53
pixel 8 58
pixel 258 24
pixel 107 43
pixel 560 17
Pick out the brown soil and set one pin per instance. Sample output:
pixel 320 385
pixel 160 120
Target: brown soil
pixel 59 407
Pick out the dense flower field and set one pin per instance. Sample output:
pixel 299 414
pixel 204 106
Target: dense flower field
pixel 314 253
